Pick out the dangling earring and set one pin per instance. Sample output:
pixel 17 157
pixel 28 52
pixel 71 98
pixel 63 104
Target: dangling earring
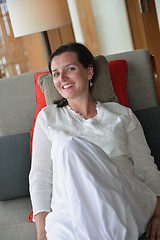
pixel 90 83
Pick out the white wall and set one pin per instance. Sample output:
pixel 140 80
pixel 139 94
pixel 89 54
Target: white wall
pixel 75 21
pixel 157 3
pixel 111 24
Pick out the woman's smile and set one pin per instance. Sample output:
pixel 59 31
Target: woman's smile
pixel 68 86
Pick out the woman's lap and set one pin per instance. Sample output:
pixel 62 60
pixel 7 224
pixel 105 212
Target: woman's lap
pixel 99 199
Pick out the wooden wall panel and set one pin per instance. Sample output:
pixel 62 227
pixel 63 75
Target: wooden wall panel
pixel 88 26
pixel 60 36
pixel 54 38
pixel 67 34
pixel 33 46
pixel 136 23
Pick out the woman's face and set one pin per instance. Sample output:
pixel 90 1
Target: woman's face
pixel 70 78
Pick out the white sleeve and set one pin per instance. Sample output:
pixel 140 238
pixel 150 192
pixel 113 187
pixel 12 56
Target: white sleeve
pixel 40 177
pixel 145 168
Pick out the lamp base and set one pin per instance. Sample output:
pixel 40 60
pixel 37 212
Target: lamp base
pixel 46 44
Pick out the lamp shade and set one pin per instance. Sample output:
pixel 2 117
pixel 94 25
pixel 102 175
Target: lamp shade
pixel 31 16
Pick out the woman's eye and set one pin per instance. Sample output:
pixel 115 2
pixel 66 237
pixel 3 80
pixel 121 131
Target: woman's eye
pixel 55 75
pixel 71 69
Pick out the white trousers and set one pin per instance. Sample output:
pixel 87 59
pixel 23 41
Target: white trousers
pixel 94 199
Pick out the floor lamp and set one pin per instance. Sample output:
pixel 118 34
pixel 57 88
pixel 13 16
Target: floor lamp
pixel 32 16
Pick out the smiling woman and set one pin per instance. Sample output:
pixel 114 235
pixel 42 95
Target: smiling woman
pixel 100 146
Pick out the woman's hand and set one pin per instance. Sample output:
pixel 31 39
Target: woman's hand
pixel 153 228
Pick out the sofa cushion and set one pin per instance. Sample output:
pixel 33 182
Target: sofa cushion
pixel 15 166
pixel 102 89
pixel 140 78
pixel 150 119
pixel 104 84
pixel 118 73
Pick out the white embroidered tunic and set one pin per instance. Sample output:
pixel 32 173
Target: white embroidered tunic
pixel 115 129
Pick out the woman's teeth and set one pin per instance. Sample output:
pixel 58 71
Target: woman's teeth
pixel 67 86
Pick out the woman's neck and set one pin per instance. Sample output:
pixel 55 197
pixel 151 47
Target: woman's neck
pixel 86 108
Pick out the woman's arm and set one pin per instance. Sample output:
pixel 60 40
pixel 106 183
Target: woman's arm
pixel 147 171
pixel 40 177
pixel 40 225
pixel 153 228
pixel 145 168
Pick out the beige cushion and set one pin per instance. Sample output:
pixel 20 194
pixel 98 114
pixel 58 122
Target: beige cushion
pixel 102 89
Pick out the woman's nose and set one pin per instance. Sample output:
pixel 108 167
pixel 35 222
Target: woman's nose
pixel 62 76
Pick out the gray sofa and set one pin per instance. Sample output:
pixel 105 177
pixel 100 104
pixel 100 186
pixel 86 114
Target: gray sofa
pixel 17 108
